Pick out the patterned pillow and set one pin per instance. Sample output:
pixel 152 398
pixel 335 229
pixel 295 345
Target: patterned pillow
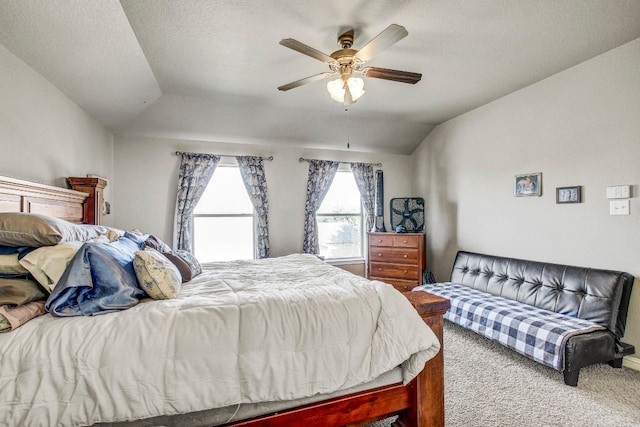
pixel 187 264
pixel 157 244
pixel 157 276
pixel 193 262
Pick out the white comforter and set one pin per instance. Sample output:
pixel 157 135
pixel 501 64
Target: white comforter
pixel 246 331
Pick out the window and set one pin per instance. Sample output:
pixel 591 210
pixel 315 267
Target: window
pixel 223 226
pixel 340 233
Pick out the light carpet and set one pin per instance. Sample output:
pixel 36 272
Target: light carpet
pixel 489 385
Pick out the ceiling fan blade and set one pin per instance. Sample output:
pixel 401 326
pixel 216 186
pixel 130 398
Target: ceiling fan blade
pixel 395 75
pixel 392 34
pixel 304 81
pixel 307 50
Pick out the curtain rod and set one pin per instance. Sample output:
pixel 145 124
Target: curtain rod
pixel 302 159
pixel 224 155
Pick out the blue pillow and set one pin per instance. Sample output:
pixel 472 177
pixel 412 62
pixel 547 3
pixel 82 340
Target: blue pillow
pixel 14 276
pixel 99 279
pixel 21 250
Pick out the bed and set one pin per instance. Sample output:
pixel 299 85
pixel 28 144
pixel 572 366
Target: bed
pixel 351 398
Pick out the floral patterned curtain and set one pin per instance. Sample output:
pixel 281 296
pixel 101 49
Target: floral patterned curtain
pixel 196 170
pixel 321 173
pixel 363 173
pixel 252 171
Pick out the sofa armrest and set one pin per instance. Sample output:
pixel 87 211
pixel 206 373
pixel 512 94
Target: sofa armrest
pixel 586 349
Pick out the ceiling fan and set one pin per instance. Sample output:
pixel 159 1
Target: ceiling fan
pixel 347 61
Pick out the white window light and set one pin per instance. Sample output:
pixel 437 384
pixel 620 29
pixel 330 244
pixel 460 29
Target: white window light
pixel 223 220
pixel 340 219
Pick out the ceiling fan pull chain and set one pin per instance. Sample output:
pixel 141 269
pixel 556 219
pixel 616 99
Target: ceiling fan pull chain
pixel 348 127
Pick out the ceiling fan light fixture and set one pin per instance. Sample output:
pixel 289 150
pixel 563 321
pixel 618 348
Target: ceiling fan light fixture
pixel 337 90
pixel 356 87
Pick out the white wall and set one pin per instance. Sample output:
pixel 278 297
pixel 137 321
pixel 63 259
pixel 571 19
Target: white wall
pixel 44 136
pixel 146 181
pixel 579 127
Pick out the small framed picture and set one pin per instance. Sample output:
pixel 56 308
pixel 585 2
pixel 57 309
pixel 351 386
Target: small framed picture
pixel 568 194
pixel 529 184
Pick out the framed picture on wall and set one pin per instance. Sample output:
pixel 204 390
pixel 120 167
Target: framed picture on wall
pixel 529 184
pixel 568 194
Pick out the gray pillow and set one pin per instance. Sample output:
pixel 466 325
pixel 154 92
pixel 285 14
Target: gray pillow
pixel 35 230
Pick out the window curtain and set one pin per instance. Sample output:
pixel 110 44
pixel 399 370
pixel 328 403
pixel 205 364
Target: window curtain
pixel 363 173
pixel 252 171
pixel 196 170
pixel 321 173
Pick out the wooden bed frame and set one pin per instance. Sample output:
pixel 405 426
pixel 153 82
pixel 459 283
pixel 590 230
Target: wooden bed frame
pixel 418 404
pixel 23 196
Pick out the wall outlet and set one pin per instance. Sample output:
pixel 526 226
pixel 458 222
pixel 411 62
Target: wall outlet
pixel 619 207
pixel 618 192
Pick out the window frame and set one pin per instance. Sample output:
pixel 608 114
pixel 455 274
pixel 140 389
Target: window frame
pixel 228 164
pixel 344 168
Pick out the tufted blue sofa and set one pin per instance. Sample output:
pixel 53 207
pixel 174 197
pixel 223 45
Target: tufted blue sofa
pixel 587 295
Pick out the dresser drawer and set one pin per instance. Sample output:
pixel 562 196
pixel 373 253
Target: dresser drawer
pixel 401 285
pixel 394 271
pixel 404 241
pixel 398 255
pixel 381 240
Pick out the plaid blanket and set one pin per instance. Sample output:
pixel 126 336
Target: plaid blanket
pixel 531 331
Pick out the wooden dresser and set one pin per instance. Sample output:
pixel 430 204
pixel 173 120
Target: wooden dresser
pixel 397 259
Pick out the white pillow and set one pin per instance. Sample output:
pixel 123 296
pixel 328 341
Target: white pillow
pixel 157 276
pixel 47 263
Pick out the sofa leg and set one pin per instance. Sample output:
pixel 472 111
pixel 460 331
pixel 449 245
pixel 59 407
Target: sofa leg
pixel 616 363
pixel 571 377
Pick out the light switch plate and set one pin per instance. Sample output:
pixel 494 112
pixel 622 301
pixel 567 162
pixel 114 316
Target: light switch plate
pixel 618 192
pixel 619 207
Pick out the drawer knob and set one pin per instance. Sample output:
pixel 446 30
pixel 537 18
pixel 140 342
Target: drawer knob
pixel 404 256
pixel 379 268
pixel 405 272
pixel 404 241
pixel 379 240
pixel 379 254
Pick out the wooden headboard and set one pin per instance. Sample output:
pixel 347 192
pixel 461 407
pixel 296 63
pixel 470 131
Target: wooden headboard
pixel 24 196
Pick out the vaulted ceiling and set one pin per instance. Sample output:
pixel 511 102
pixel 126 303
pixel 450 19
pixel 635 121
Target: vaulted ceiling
pixel 208 70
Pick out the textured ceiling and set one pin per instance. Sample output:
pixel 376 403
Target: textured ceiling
pixel 209 70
